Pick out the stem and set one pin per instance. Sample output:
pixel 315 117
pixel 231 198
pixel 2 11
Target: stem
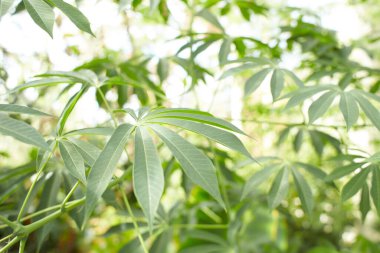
pixel 6 238
pixel 136 226
pixel 26 200
pixel 10 244
pixel 69 195
pixel 22 246
pixel 8 222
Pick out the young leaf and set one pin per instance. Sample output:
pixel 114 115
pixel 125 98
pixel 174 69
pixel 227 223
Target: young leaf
pixel 375 187
pixel 148 175
pixel 365 203
pixel 224 51
pixel 41 13
pixel 219 135
pixel 196 165
pixel 304 191
pixel 22 132
pixel 74 15
pixel 355 183
pixel 279 188
pixel 349 108
pixel 73 160
pixel 276 83
pixel 254 81
pixel 21 109
pixel 320 106
pixel 258 178
pixel 104 166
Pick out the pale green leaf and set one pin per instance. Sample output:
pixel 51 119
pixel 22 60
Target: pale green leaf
pixel 104 167
pixel 375 187
pixel 304 191
pixel 74 15
pixel 5 5
pixel 258 178
pixel 73 160
pixel 106 131
pixel 349 108
pixel 342 171
pixel 219 135
pixel 148 175
pixel 255 80
pixel 22 132
pixel 277 83
pixel 196 165
pixel 295 79
pixel 320 106
pixel 88 151
pixel 41 13
pixel 355 184
pixel 279 189
pixel 372 113
pixel 365 203
pixel 12 108
pixel 163 69
pixel 224 51
pixel 300 95
pixel 211 18
pixel 239 69
pixel 43 83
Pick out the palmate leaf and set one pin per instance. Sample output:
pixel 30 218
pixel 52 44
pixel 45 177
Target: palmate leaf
pixel 41 13
pixel 44 83
pixel 375 187
pixel 320 106
pixel 88 151
pixel 277 83
pixel 342 171
pixel 12 108
pixel 349 108
pixel 104 166
pixel 207 15
pixel 22 132
pixel 224 51
pixel 370 111
pixel 365 202
pixel 196 165
pixel 299 96
pixel 5 5
pixel 148 175
pixel 255 81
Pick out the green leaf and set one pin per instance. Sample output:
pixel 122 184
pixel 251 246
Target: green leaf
pixel 365 203
pixel 196 165
pixel 375 187
pixel 85 76
pixel 300 95
pixel 205 14
pixel 106 131
pixel 279 188
pixel 355 183
pixel 5 5
pixel 255 80
pixel 224 51
pixel 237 70
pixel 41 13
pixel 74 15
pixel 258 178
pixel 298 140
pixel 148 175
pixel 163 69
pixel 22 132
pixel 88 151
pixel 320 106
pixel 43 83
pixel 207 236
pixel 349 108
pixel 342 171
pixel 104 166
pixel 197 116
pixel 276 83
pixel 292 76
pixel 204 248
pixel 219 135
pixel 68 109
pixel 12 108
pixel 372 113
pixel 304 191
pixel 73 160
pixel 313 170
